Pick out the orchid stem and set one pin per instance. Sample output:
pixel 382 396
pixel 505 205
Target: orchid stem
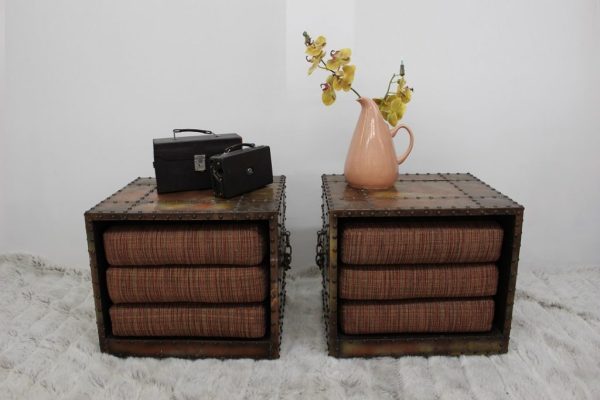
pixel 387 92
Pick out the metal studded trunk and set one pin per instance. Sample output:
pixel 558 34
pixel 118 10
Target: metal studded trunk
pixel 139 202
pixel 421 197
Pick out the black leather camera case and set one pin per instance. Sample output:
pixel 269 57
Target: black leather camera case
pixel 239 170
pixel 181 163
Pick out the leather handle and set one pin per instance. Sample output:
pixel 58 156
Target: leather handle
pixel 411 137
pixel 191 130
pixel 239 145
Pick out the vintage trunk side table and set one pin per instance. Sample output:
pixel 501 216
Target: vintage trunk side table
pixel 257 324
pixel 454 244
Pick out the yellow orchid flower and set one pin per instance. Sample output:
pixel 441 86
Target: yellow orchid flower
pixel 328 95
pixel 315 61
pixel 315 48
pixel 396 111
pixel 392 105
pixel 339 58
pixel 403 91
pixel 343 80
pixel 405 94
pixel 392 108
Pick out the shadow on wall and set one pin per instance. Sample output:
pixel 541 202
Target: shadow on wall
pixel 304 245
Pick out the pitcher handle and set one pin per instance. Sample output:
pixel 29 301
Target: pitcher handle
pixel 394 131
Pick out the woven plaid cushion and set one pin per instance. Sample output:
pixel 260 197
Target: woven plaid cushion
pixel 240 321
pixel 214 284
pixel 417 281
pixel 391 242
pixel 182 244
pixel 473 315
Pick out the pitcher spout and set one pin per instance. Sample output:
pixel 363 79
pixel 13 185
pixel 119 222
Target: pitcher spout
pixel 368 105
pixel 365 101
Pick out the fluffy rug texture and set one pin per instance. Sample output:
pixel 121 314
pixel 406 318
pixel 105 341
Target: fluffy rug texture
pixel 49 349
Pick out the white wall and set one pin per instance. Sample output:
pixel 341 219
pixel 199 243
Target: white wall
pixel 3 146
pixel 506 90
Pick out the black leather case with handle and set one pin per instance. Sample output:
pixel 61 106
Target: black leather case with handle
pixel 181 163
pixel 239 170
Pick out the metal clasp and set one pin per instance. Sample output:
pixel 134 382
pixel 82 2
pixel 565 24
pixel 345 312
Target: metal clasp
pixel 200 162
pixel 287 253
pixel 320 256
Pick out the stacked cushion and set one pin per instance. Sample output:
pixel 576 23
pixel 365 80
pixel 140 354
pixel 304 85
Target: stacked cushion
pixel 187 280
pixel 419 276
pixel 235 244
pixel 417 281
pixel 421 242
pixel 242 320
pixel 418 316
pixel 210 284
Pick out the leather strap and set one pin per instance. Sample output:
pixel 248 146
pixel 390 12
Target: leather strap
pixel 191 130
pixel 238 146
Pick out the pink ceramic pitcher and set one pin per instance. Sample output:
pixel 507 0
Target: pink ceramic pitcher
pixel 372 162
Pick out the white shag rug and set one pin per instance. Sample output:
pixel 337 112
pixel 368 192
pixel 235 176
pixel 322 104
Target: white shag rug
pixel 49 349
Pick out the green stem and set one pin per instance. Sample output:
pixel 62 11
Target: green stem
pixel 387 92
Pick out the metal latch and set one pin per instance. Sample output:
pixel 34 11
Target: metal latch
pixel 200 162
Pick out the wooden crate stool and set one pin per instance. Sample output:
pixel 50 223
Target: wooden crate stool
pixel 427 267
pixel 187 274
